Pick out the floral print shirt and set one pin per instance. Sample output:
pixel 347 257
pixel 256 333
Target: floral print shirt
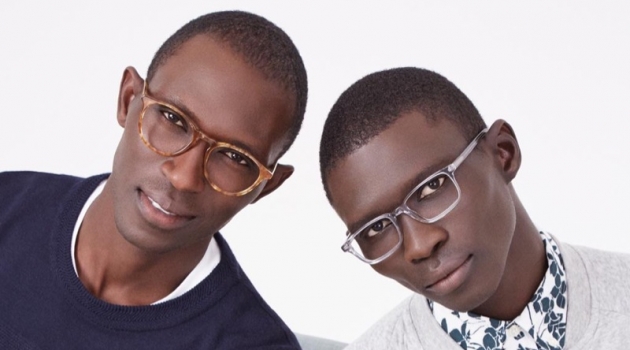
pixel 541 325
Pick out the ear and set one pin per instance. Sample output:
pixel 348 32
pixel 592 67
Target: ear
pixel 502 139
pixel 282 173
pixel 130 87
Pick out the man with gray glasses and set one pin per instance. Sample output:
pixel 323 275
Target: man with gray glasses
pixel 425 190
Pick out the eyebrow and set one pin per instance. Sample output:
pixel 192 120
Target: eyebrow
pixel 408 186
pixel 182 107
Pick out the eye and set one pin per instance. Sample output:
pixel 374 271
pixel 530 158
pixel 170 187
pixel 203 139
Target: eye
pixel 431 186
pixel 174 119
pixel 236 157
pixel 375 229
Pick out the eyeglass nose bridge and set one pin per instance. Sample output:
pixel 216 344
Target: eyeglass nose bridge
pixel 200 137
pixel 403 209
pixel 393 216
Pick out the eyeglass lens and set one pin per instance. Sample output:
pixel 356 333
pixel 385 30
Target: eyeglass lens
pixel 376 239
pixel 433 197
pixel 430 200
pixel 169 133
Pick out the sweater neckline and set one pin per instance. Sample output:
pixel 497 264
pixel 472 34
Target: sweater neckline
pixel 132 318
pixel 580 323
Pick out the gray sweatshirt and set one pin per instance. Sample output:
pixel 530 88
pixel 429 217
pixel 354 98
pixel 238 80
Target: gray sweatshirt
pixel 598 312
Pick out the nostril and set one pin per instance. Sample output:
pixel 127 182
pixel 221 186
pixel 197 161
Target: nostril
pixel 438 246
pixel 418 261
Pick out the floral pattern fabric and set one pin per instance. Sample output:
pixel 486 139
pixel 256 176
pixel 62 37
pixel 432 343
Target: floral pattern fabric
pixel 541 325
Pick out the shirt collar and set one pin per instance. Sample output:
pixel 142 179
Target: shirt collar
pixel 541 324
pixel 206 265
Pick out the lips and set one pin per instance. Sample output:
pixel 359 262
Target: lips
pixel 451 277
pixel 158 207
pixel 154 212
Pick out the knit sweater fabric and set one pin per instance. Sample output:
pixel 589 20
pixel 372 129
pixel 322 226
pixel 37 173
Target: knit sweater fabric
pixel 598 311
pixel 43 305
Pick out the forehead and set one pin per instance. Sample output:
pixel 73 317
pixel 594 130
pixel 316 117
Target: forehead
pixel 375 178
pixel 229 99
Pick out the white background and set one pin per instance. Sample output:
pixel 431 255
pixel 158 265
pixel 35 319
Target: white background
pixel 557 71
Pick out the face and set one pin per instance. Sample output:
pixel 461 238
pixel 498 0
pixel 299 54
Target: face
pixel 165 203
pixel 457 261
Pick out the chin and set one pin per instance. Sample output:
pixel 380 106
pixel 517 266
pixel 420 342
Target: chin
pixel 468 304
pixel 464 299
pixel 142 238
pixel 144 242
pixel 471 300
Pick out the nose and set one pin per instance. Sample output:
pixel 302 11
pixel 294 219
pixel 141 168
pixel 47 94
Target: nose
pixel 185 171
pixel 420 240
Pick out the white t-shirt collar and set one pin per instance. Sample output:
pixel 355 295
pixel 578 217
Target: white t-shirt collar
pixel 206 265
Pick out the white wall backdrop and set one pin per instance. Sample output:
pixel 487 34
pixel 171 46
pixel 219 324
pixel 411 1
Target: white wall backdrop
pixel 557 71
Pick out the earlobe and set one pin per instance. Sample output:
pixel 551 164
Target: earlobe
pixel 130 87
pixel 282 173
pixel 506 148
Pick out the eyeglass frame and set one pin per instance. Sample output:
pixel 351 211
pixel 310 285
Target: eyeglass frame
pixel 264 173
pixel 448 170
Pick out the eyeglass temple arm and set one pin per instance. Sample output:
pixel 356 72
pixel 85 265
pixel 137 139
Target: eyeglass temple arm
pixel 458 161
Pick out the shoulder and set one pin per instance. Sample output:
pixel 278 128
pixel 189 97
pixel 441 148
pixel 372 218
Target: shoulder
pixel 602 265
pixel 22 189
pixel 24 181
pixel 248 311
pixel 598 301
pixel 607 273
pixel 28 195
pixel 34 188
pixel 390 332
pixel 20 177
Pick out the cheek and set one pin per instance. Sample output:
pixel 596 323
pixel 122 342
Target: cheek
pixel 219 209
pixel 134 163
pixel 500 218
pixel 217 212
pixel 390 273
pixel 483 225
pixel 128 152
pixel 493 217
pixel 396 268
pixel 486 207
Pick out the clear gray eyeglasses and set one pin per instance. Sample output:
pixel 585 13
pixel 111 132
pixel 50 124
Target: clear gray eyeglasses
pixel 428 202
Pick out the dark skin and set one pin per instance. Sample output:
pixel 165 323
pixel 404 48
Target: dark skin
pixel 126 257
pixel 488 242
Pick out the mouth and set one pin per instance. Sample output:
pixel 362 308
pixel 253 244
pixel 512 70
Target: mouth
pixel 451 280
pixel 158 207
pixel 156 215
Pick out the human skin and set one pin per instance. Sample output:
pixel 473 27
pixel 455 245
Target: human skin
pixel 130 253
pixel 486 255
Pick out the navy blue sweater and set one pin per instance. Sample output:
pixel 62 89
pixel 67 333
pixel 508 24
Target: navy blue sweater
pixel 43 304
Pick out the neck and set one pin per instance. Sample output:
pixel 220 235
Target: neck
pixel 524 270
pixel 114 270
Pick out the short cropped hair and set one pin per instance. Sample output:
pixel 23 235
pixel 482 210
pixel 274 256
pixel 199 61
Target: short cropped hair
pixel 373 103
pixel 259 42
